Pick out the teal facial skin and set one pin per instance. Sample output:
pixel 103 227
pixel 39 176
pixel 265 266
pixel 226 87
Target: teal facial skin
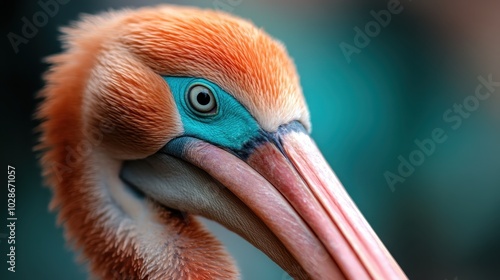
pixel 230 126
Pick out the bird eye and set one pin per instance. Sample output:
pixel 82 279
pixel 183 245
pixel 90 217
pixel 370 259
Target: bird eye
pixel 202 100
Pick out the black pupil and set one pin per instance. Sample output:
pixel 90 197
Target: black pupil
pixel 203 98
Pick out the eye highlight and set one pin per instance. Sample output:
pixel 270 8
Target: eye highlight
pixel 201 100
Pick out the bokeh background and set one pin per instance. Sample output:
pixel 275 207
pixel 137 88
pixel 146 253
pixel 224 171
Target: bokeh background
pixel 442 222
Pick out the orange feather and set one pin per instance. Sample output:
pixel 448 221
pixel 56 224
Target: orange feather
pixel 105 101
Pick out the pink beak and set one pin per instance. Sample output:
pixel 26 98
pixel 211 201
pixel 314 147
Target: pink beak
pixel 288 184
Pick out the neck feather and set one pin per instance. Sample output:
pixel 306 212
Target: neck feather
pixel 126 236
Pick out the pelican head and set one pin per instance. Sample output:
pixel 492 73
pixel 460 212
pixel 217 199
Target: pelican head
pixel 154 116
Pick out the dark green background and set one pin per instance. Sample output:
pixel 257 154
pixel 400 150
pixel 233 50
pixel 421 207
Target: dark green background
pixel 441 223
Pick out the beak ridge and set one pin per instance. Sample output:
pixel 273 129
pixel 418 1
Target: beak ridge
pixel 365 257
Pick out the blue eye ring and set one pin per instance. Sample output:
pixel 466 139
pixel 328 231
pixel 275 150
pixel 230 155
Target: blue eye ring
pixel 201 99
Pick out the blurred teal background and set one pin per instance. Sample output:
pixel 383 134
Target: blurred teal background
pixel 442 222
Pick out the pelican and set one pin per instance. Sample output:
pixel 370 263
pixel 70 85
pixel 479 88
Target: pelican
pixel 154 116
